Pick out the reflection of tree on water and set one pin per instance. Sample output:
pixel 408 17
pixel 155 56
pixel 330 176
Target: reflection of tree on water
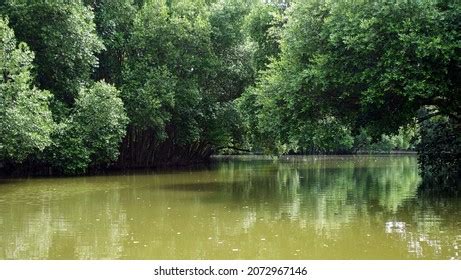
pixel 321 208
pixel 331 195
pixel 55 217
pixel 342 185
pixel 430 221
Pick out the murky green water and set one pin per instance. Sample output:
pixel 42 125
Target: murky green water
pixel 363 207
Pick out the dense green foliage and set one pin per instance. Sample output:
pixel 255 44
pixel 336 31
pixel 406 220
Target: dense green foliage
pixel 92 132
pixel 180 80
pixel 114 23
pixel 179 65
pixel 89 120
pixel 25 119
pixel 405 140
pixel 358 65
pixel 264 26
pixel 184 66
pixel 62 34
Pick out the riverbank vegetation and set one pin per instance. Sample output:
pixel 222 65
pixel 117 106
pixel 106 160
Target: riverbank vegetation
pixel 96 84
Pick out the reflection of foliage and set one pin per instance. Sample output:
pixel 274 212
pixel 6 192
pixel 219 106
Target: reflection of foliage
pixel 332 195
pixel 43 224
pixel 440 155
pixel 338 187
pixel 296 207
pixel 431 216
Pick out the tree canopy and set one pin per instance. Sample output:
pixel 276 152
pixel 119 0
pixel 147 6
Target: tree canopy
pixel 366 65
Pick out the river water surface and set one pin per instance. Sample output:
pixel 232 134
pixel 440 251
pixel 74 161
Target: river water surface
pixel 352 207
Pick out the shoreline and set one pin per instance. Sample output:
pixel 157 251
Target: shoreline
pixel 213 159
